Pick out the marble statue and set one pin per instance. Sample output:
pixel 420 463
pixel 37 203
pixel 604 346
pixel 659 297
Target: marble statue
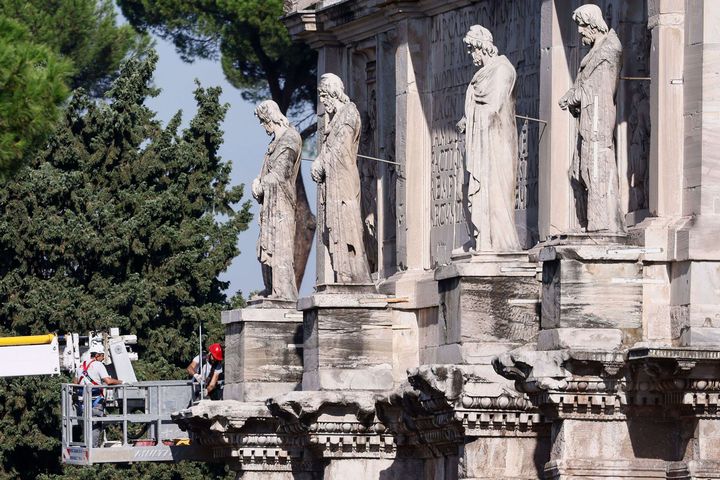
pixel 491 145
pixel 275 191
pixel 592 101
pixel 336 172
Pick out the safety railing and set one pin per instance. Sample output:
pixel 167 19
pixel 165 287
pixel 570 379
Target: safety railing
pixel 131 424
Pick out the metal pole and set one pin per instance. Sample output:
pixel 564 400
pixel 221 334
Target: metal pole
pixel 365 157
pixel 379 159
pixel 202 394
pixel 531 119
pixel 125 414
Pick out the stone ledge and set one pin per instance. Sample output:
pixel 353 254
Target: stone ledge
pixel 605 468
pixel 515 264
pixel 580 338
pixel 343 300
pixel 284 315
pixel 417 288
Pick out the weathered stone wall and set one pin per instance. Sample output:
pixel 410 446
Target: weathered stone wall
pixel 593 355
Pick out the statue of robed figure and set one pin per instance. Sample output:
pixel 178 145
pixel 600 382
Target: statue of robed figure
pixel 491 145
pixel 336 172
pixel 276 191
pixel 594 174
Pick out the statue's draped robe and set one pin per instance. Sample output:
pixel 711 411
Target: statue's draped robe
pixel 340 194
pixel 492 156
pixel 275 247
pixel 594 168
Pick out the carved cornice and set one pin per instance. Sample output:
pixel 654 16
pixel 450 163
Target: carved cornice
pixel 450 411
pixel 686 379
pixel 569 383
pixel 333 424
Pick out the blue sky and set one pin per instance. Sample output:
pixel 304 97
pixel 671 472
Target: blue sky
pixel 245 144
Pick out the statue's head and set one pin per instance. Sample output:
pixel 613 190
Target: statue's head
pixel 331 92
pixel 270 116
pixel 480 44
pixel 591 23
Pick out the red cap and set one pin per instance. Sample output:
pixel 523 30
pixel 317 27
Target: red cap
pixel 216 351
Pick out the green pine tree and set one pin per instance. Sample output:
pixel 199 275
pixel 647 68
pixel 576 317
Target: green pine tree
pixel 32 88
pixel 248 36
pixel 118 222
pixel 84 32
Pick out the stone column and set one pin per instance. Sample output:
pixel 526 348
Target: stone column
pixel 413 281
pixel 665 19
pixel 388 178
pixel 696 276
pixel 657 233
pixel 412 136
pixel 702 110
pixel 555 197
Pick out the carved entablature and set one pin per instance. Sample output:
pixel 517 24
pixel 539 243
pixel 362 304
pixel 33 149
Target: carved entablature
pixel 433 415
pixel 607 385
pixel 243 434
pixel 449 399
pixel 682 379
pixel 569 383
pixel 333 424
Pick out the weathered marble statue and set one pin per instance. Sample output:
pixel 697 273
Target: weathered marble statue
pixel 491 145
pixel 336 172
pixel 275 191
pixel 592 101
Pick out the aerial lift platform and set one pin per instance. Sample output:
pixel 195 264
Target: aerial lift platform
pixel 136 425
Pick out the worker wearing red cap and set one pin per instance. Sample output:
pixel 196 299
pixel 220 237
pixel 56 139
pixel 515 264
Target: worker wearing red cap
pixel 211 370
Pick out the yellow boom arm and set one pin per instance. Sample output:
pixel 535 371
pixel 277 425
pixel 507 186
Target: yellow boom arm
pixel 27 340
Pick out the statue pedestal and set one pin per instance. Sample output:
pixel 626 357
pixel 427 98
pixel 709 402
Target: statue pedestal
pixel 263 351
pixel 489 304
pixel 348 339
pixel 592 291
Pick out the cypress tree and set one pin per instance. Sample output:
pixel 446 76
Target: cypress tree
pixel 118 222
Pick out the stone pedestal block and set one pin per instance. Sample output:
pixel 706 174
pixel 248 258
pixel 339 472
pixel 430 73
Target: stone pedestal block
pixel 586 448
pixel 263 352
pixel 489 304
pixel 516 457
pixel 694 306
pixel 586 285
pixel 348 339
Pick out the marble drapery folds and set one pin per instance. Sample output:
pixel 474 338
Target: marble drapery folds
pixel 336 171
pixel 491 149
pixel 275 190
pixel 591 100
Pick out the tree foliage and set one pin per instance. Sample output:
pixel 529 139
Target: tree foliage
pixel 85 32
pixel 255 49
pixel 115 223
pixel 46 48
pixel 32 88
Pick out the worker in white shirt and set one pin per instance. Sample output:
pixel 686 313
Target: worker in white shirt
pixel 93 372
pixel 212 370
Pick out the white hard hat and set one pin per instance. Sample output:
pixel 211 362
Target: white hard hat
pixel 98 348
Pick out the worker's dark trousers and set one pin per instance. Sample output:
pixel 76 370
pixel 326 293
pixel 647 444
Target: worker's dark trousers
pixel 97 428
